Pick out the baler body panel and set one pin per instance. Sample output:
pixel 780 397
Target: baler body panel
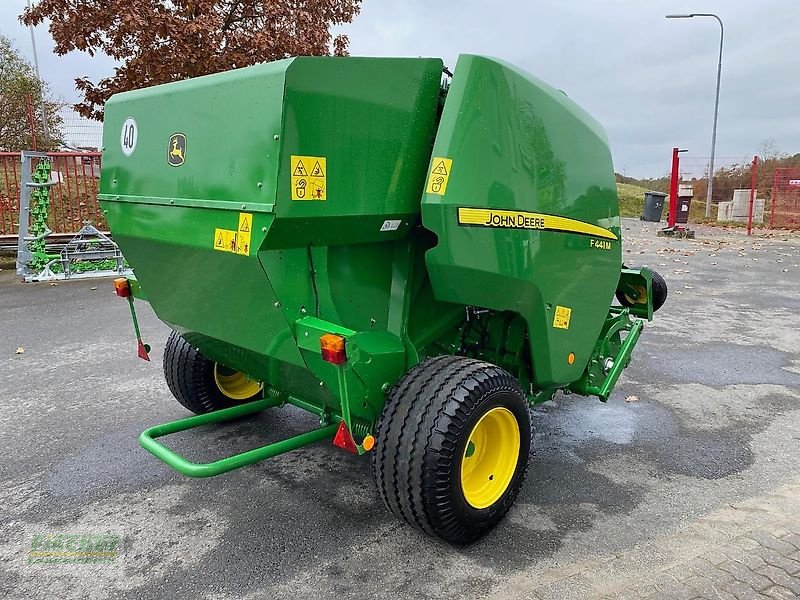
pixel 372 120
pixel 541 230
pixel 365 203
pixel 229 120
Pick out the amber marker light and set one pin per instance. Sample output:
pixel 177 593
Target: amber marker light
pixel 121 287
pixel 333 350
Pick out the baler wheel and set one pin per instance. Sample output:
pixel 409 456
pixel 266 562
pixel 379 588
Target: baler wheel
pixel 659 287
pixel 452 447
pixel 199 383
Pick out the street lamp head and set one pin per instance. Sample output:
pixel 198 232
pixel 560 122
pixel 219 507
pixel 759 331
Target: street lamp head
pixel 679 16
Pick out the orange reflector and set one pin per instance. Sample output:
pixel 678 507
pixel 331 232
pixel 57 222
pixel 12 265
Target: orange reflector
pixel 333 350
pixel 121 287
pixel 368 443
pixel 344 440
pixel 571 358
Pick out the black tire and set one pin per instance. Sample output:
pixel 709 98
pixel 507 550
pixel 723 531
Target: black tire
pixel 659 293
pixel 422 438
pixel 190 378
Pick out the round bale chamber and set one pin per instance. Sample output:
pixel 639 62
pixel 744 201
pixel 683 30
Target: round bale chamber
pixel 295 194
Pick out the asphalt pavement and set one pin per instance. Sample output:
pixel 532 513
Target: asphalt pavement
pixel 620 500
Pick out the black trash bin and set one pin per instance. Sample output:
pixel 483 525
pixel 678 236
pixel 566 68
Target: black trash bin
pixel 653 206
pixel 684 203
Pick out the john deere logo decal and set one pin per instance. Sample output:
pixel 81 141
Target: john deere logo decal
pixel 176 155
pixel 518 219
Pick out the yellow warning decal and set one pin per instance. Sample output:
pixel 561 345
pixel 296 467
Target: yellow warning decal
pixel 309 177
pixel 245 223
pixel 439 175
pixel 225 240
pixel 236 242
pixel 561 318
pixel 516 219
pixel 243 234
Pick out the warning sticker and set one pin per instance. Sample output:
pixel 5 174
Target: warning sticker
pixel 236 242
pixel 440 173
pixel 225 240
pixel 242 243
pixel 245 223
pixel 561 318
pixel 243 234
pixel 309 177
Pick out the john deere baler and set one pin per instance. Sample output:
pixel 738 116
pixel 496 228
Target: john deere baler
pixel 414 258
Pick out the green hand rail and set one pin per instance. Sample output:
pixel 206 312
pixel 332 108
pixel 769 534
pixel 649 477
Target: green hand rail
pixel 182 465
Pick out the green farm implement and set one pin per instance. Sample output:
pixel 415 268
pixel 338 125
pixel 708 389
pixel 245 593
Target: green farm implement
pixel 415 258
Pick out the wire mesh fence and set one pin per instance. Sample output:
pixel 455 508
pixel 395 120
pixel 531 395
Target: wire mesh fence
pixel 73 198
pixel 23 126
pixel 730 173
pixel 78 132
pixel 785 199
pixel 74 143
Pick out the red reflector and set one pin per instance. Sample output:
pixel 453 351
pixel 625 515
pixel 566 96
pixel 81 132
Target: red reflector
pixel 122 287
pixel 344 440
pixel 143 349
pixel 333 350
pixel 336 357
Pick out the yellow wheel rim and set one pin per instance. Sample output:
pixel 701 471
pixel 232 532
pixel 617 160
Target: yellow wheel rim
pixel 642 299
pixel 235 384
pixel 490 458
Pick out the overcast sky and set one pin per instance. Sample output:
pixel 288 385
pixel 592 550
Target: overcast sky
pixel 648 80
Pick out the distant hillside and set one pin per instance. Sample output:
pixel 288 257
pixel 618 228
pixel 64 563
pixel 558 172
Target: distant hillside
pixel 631 200
pixel 657 185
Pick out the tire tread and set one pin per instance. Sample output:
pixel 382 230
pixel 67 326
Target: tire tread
pixel 418 434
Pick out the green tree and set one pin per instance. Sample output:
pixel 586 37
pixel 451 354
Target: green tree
pixel 20 87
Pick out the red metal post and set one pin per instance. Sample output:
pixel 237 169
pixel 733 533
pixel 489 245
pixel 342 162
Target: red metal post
pixel 673 189
pixel 31 122
pixel 773 198
pixel 73 201
pixel 16 172
pixel 98 212
pixel 6 194
pixel 752 195
pixel 9 198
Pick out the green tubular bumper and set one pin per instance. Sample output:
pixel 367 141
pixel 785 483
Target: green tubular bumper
pixel 186 467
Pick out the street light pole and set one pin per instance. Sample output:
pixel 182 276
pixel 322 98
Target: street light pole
pixel 716 105
pixel 41 85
